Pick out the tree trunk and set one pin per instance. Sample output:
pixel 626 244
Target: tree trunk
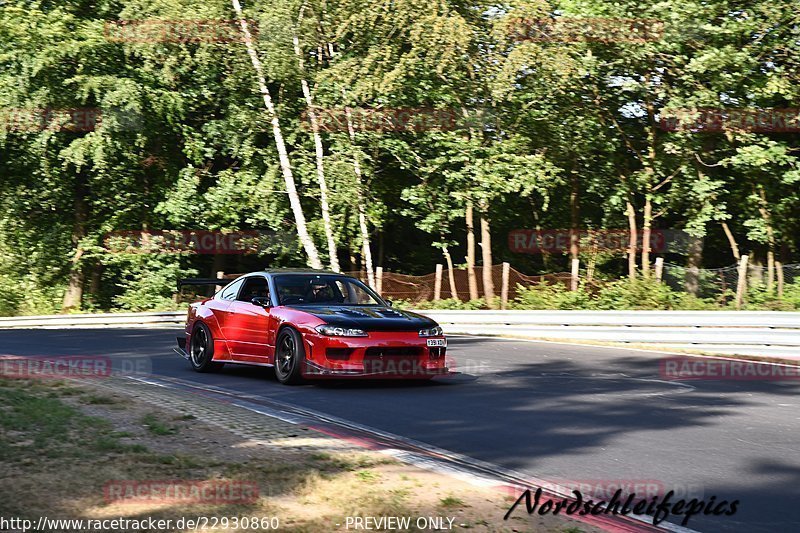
pixel 537 225
pixel 362 215
pixel 365 245
pixel 592 264
pixel 574 232
pixel 283 156
pixel 95 281
pixel 450 275
pixel 471 277
pixel 647 223
pixel 632 241
pixel 731 241
pixel 767 216
pixel 74 293
pixel 318 149
pixel 692 279
pixel 650 169
pixel 470 223
pixel 486 252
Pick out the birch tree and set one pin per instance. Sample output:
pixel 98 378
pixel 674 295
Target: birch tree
pixel 312 255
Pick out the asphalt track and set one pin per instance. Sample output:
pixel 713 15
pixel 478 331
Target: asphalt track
pixel 571 414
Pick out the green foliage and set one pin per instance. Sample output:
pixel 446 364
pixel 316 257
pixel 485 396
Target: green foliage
pixel 551 296
pixel 568 136
pixel 452 304
pixel 791 294
pixel 759 297
pixel 645 294
pixel 148 281
pixel 617 295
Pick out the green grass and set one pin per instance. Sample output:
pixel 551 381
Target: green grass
pixel 34 412
pixel 46 419
pixel 95 399
pixel 109 444
pixel 367 476
pixel 156 427
pixel 451 502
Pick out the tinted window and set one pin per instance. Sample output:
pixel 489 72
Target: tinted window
pixel 254 286
pixel 310 289
pixel 229 292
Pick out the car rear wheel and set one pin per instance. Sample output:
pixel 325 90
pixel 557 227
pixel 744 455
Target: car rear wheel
pixel 201 350
pixel 289 357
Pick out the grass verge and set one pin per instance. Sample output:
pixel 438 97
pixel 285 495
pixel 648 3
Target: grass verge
pixel 67 447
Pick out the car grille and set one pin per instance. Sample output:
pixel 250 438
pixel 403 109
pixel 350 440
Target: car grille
pixel 401 360
pixel 392 351
pixel 338 353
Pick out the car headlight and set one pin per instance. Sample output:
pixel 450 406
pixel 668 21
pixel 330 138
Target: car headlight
pixel 338 331
pixel 431 332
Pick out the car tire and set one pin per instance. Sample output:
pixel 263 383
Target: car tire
pixel 290 355
pixel 201 350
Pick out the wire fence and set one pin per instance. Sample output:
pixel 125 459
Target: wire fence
pixel 455 283
pixel 718 283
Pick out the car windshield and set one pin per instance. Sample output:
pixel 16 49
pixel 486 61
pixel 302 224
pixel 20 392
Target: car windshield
pixel 314 289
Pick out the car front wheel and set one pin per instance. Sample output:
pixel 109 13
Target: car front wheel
pixel 289 357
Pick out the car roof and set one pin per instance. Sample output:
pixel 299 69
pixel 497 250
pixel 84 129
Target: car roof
pixel 298 271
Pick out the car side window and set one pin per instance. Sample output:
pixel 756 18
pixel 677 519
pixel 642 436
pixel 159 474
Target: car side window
pixel 254 286
pixel 229 293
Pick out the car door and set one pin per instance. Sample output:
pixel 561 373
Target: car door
pixel 220 307
pixel 249 323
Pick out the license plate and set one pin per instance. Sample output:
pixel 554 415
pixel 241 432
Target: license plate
pixel 437 342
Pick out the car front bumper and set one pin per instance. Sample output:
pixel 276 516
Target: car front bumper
pixel 381 354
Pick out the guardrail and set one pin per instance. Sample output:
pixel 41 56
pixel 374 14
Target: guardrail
pixel 744 328
pixel 750 328
pixel 697 319
pixel 94 320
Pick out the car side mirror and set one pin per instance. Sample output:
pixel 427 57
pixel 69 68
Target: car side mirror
pixel 261 301
pixel 389 302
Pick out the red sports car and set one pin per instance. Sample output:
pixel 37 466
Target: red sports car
pixel 310 324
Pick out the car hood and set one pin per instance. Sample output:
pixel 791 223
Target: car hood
pixel 372 318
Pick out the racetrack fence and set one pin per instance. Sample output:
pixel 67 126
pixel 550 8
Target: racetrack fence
pixel 717 284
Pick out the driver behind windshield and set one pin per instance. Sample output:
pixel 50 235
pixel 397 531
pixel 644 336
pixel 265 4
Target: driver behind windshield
pixel 322 293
